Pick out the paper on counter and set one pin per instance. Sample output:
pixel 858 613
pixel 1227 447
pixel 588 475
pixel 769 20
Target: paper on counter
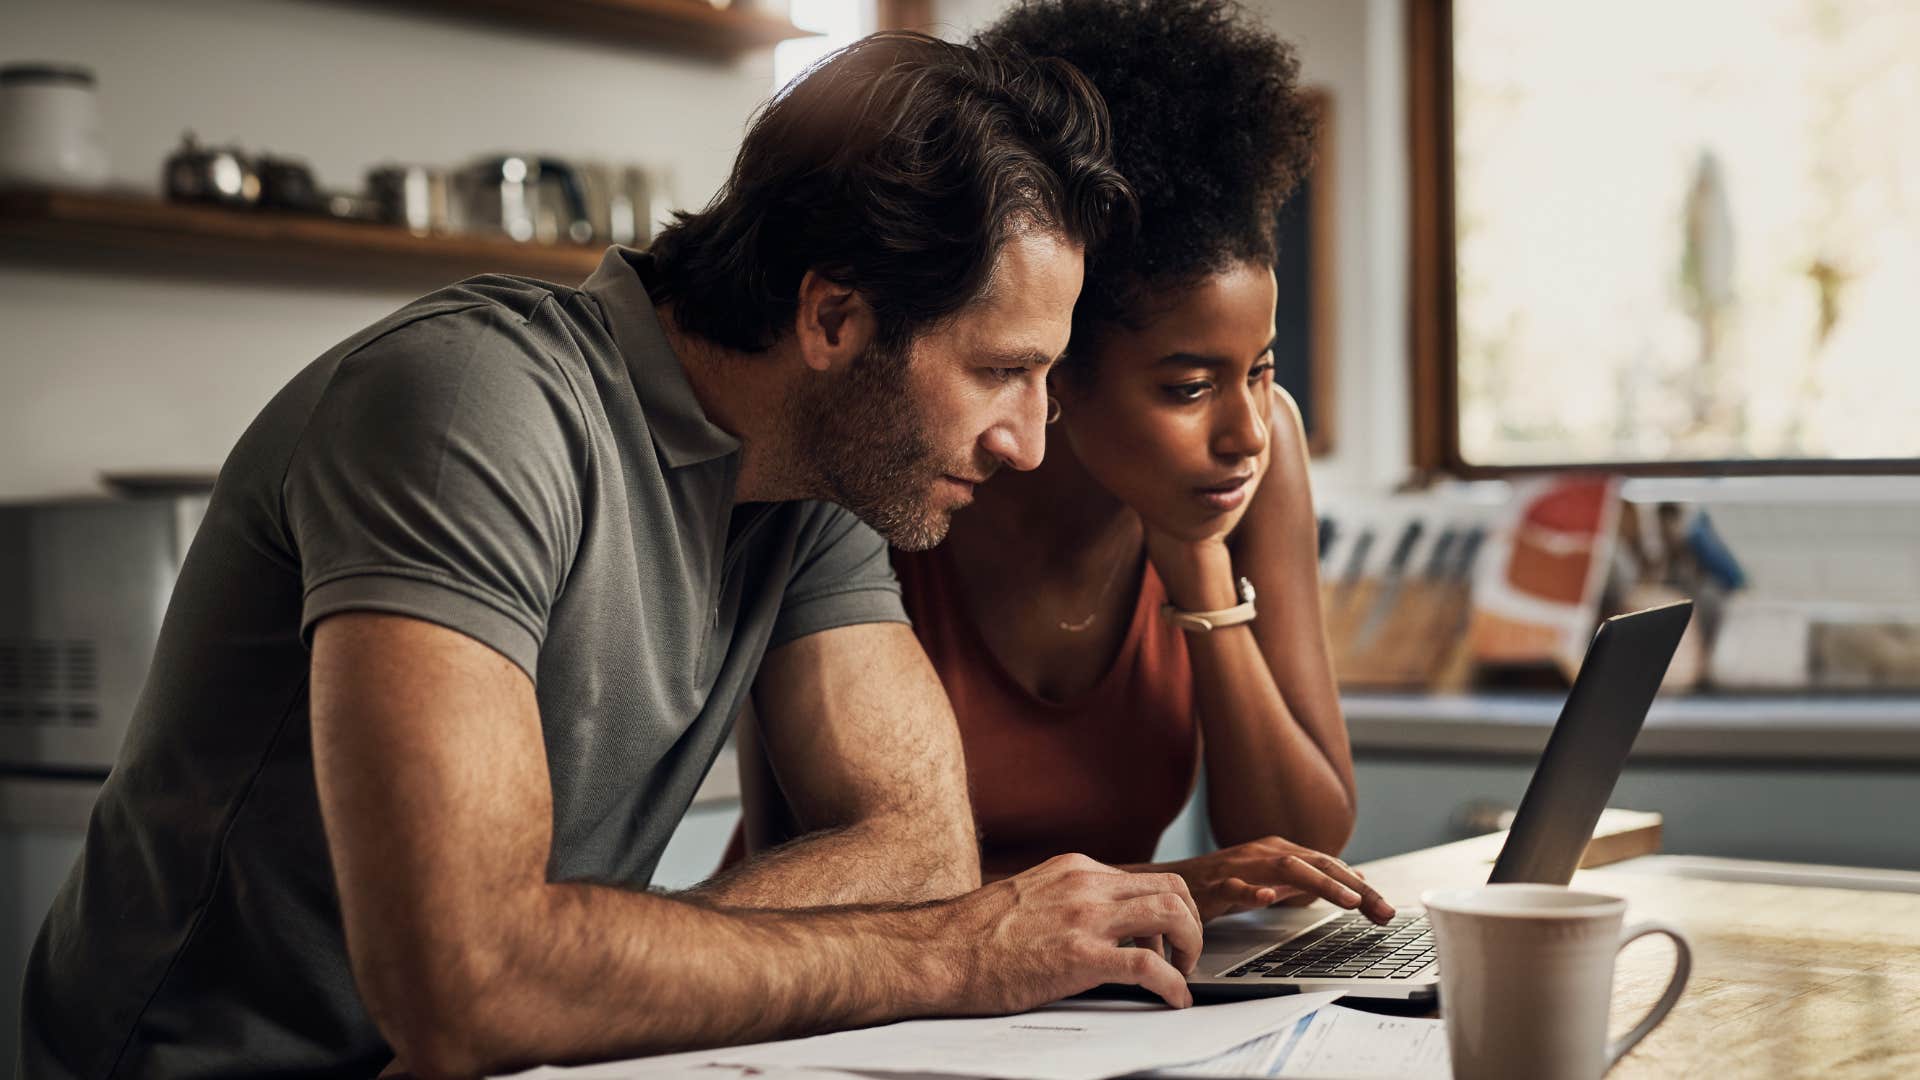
pixel 1336 1042
pixel 1356 1045
pixel 674 1068
pixel 1078 1040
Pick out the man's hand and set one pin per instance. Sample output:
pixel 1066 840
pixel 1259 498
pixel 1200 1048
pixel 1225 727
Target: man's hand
pixel 1061 928
pixel 1270 870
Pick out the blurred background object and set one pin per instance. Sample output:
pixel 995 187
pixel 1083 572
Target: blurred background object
pixel 1537 596
pixel 220 175
pixel 50 127
pixel 1808 585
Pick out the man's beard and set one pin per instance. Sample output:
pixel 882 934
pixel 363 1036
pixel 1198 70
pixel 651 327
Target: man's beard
pixel 864 438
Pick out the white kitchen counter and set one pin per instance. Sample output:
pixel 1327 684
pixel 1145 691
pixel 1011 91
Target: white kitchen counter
pixel 1879 728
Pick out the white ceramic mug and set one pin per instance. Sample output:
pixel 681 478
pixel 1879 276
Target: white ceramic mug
pixel 1526 975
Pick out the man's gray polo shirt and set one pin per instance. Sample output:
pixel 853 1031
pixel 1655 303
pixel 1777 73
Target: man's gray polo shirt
pixel 522 462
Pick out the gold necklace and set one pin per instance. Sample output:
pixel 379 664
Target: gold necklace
pixel 1094 615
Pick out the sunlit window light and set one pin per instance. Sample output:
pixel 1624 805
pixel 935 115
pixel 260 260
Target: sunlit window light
pixel 837 22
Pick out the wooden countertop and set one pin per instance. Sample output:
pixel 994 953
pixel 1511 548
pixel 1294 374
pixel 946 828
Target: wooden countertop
pixel 1788 981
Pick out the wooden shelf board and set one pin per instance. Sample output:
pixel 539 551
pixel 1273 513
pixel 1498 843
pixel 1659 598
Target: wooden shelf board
pixel 139 232
pixel 693 26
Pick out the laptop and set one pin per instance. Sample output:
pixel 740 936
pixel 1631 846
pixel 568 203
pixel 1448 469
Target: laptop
pixel 1285 951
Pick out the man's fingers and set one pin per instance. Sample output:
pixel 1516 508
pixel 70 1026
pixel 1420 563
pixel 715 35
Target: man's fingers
pixel 1125 886
pixel 1178 885
pixel 1149 971
pixel 1164 916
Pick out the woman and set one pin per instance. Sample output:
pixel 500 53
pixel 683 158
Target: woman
pixel 1174 471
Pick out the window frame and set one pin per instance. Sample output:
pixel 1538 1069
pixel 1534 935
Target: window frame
pixel 1433 329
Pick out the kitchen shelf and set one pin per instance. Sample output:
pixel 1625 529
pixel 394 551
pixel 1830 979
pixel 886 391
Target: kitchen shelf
pixel 124 232
pixel 691 26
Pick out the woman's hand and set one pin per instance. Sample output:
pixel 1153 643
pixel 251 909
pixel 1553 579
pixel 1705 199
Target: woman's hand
pixel 1198 570
pixel 1271 871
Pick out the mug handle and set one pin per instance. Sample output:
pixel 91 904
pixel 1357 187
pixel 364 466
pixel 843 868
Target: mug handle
pixel 1682 967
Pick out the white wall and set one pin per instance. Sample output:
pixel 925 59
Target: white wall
pixel 112 371
pixel 1355 49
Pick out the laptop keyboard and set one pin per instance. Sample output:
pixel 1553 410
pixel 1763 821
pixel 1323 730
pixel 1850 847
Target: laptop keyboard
pixel 1349 947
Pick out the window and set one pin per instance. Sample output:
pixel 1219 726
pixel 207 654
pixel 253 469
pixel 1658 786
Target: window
pixel 1653 233
pixel 837 22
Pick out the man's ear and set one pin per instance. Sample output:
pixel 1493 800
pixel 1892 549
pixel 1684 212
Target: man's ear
pixel 833 323
pixel 1063 384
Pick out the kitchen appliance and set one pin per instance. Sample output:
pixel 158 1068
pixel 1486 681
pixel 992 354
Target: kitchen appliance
pixel 83 587
pixel 221 175
pixel 288 184
pixel 560 213
pixel 496 195
pixel 50 127
pixel 609 202
pixel 625 203
pixel 527 198
pixel 415 197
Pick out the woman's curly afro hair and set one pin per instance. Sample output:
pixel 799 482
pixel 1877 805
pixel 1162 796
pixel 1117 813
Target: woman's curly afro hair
pixel 1208 126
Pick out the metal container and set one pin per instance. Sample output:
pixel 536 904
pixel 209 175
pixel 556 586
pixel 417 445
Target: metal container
pixel 526 198
pixel 627 202
pixel 221 175
pixel 288 184
pixel 415 197
pixel 498 194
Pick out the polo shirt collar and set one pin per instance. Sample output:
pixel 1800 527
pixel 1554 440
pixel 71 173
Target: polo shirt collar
pixel 681 430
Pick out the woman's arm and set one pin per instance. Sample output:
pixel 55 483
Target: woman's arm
pixel 1277 757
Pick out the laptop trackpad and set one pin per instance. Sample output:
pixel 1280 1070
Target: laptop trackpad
pixel 1231 937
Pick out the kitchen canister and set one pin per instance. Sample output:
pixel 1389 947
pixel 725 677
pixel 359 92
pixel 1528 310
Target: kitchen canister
pixel 50 127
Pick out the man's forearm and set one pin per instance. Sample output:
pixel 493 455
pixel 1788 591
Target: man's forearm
pixel 586 972
pixel 895 859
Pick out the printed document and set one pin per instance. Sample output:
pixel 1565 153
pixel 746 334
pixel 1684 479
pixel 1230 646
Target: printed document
pixel 1335 1042
pixel 1074 1040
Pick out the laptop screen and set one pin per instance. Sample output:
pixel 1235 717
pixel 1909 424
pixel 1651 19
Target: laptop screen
pixel 1622 671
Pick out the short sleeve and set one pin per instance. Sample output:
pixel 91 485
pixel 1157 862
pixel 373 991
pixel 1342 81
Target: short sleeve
pixel 841 576
pixel 439 478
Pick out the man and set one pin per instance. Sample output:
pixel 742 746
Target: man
pixel 479 592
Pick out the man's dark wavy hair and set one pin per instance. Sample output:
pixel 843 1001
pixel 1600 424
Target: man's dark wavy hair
pixel 1209 129
pixel 897 166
